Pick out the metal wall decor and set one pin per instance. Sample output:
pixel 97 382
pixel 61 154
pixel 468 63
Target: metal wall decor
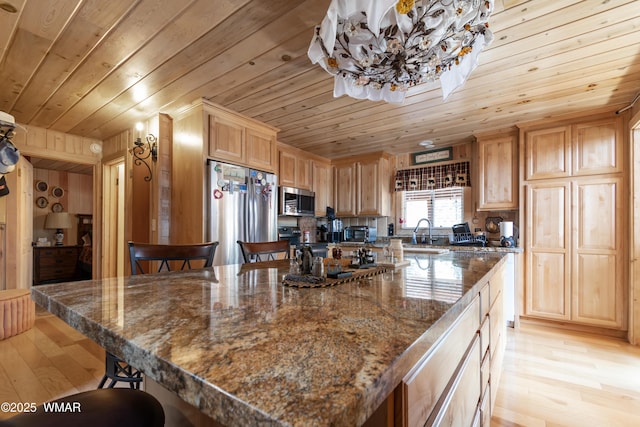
pixel 151 150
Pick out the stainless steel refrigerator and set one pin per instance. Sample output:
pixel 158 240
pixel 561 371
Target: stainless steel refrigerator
pixel 242 205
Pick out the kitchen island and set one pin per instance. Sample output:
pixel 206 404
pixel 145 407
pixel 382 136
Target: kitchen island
pixel 242 348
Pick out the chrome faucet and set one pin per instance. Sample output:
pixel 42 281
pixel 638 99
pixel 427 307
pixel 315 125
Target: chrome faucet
pixel 414 239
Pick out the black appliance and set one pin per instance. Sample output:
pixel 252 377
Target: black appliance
pixel 292 234
pixel 462 236
pixel 360 233
pixel 334 232
pixel 297 202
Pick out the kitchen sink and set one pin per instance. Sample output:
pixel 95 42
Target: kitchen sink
pixel 424 249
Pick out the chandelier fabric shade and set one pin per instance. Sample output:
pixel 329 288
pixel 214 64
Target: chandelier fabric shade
pixel 378 49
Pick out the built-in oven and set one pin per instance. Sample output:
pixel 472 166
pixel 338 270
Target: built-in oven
pixel 297 202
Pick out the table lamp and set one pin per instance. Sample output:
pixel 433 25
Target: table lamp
pixel 58 221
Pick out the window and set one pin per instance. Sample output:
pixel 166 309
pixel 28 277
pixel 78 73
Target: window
pixel 444 207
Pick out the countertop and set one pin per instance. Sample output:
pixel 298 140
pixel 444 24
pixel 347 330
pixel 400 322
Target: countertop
pixel 246 350
pixel 409 246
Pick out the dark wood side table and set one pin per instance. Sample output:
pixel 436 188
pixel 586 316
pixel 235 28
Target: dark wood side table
pixel 52 264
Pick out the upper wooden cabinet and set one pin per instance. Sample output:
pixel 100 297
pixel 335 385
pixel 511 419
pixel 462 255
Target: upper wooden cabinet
pixel 497 171
pixel 294 168
pixel 597 147
pixel 547 153
pixel 344 188
pixel 300 169
pixel 240 140
pixel 361 185
pixel 589 148
pixel 322 186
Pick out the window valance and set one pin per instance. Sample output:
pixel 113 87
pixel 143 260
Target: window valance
pixel 433 177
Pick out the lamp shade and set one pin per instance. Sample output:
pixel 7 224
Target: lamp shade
pixel 58 220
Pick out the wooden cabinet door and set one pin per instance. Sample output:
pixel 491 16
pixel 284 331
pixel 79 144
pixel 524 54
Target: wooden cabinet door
pixel 597 147
pixel 260 150
pixel 287 169
pixel 497 173
pixel 547 153
pixel 597 265
pixel 344 186
pixel 303 173
pixel 368 199
pixel 226 140
pixel 547 249
pixel 322 187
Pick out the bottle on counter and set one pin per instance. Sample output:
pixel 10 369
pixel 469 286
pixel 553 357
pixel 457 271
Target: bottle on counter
pixel 306 236
pixel 395 246
pixel 318 267
pixel 307 260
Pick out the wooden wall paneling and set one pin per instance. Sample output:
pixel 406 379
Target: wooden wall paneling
pixel 19 232
pixel 188 176
pixel 634 227
pixel 163 180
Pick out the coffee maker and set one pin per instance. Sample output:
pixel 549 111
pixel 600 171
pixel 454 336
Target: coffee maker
pixel 334 233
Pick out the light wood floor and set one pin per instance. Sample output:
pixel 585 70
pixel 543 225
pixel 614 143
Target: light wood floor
pixel 550 377
pixel 48 361
pixel 554 378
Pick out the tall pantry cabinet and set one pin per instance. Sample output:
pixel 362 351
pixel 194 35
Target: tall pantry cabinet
pixel 575 213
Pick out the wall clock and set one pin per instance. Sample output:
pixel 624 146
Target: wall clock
pixel 42 202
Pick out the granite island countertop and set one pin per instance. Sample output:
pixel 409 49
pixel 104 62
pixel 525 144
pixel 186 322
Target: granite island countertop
pixel 244 349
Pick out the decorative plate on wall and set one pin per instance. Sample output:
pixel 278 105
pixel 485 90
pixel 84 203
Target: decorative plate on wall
pixel 57 192
pixel 42 202
pixel 42 186
pixel 57 207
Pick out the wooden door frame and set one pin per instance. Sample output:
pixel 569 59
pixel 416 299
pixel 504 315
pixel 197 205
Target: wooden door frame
pixel 109 226
pixel 634 227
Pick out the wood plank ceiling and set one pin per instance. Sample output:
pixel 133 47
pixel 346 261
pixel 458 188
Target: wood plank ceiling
pixel 95 67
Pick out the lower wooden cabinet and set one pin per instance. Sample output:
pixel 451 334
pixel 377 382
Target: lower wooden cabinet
pixel 55 264
pixel 456 382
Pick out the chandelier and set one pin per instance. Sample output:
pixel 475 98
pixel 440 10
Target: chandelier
pixel 378 49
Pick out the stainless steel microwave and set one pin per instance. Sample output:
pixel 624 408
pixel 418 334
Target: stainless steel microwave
pixel 297 202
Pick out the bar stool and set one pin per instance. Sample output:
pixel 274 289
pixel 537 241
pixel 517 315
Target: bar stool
pixel 116 369
pixel 263 251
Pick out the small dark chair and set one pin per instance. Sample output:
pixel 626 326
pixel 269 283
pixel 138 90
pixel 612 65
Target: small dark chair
pixel 116 369
pixel 120 407
pixel 166 253
pixel 263 251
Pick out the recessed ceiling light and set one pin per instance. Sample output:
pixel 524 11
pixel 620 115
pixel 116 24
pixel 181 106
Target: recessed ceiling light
pixel 426 143
pixel 8 7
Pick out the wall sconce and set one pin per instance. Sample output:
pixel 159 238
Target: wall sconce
pixel 150 148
